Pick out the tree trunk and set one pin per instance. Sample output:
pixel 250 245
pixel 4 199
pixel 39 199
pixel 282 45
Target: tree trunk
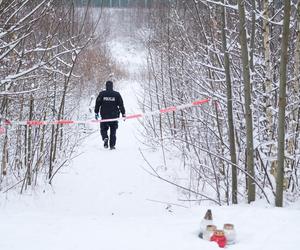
pixel 229 109
pixel 252 38
pixel 297 54
pixel 4 162
pixel 29 147
pixel 282 104
pixel 268 84
pixel 247 93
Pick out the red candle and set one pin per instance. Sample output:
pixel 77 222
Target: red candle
pixel 220 238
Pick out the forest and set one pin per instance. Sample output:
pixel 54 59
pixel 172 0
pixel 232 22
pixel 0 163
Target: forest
pixel 244 56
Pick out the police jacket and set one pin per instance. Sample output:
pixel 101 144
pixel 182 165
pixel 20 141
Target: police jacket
pixel 110 103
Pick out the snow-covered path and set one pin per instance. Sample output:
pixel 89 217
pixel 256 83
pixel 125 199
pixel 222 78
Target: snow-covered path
pixel 105 200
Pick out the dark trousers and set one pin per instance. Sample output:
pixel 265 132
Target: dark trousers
pixel 113 126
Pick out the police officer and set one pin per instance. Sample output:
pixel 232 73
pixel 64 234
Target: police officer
pixel 110 104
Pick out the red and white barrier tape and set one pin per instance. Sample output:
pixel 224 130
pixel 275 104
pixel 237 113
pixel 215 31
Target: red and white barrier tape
pixel 128 117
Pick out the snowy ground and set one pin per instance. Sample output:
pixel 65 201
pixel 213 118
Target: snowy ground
pixel 105 200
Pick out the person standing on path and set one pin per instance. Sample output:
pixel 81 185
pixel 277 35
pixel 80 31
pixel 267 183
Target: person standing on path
pixel 110 103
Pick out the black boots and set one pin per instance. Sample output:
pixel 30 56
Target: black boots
pixel 106 143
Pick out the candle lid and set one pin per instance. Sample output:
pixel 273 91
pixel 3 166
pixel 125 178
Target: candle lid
pixel 219 233
pixel 228 226
pixel 208 215
pixel 211 228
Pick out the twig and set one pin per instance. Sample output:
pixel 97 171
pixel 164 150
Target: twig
pixel 173 183
pixel 16 184
pixel 56 171
pixel 167 203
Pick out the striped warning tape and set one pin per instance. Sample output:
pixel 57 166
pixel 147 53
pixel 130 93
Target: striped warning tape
pixel 6 122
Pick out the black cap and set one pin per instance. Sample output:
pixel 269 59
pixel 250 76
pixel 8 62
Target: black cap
pixel 208 215
pixel 109 85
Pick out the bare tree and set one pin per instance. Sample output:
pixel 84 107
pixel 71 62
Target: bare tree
pixel 40 80
pixel 231 134
pixel 282 104
pixel 247 92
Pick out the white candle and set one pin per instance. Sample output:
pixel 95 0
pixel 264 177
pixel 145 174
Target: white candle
pixel 209 231
pixel 229 233
pixel 207 220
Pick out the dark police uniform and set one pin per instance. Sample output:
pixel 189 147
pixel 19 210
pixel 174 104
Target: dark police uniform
pixel 111 105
